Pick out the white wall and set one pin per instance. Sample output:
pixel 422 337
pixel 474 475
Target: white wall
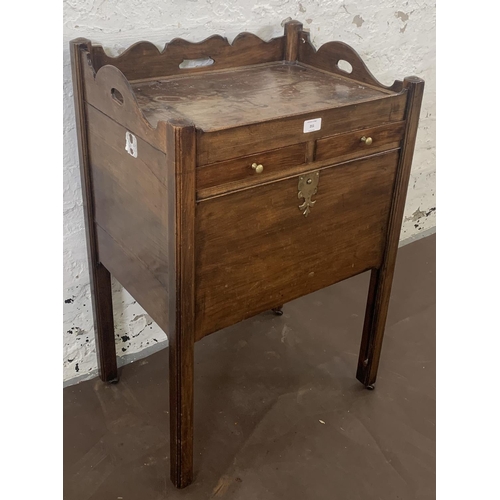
pixel 394 38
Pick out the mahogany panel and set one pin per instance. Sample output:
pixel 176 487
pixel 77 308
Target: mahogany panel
pixel 250 139
pixel 250 94
pixel 144 60
pixel 232 174
pixel 135 277
pixel 328 56
pixel 110 92
pixel 255 250
pixel 130 195
pixel 350 142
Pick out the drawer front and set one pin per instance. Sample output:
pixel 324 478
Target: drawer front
pixel 255 249
pixel 248 170
pixel 361 142
pixel 233 142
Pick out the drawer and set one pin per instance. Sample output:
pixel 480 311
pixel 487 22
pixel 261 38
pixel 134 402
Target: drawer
pixel 255 249
pixel 220 144
pixel 360 142
pixel 228 175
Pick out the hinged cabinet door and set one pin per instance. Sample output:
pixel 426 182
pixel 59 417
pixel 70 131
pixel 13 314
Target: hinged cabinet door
pixel 260 247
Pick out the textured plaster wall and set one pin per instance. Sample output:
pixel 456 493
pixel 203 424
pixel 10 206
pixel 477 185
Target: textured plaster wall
pixel 394 38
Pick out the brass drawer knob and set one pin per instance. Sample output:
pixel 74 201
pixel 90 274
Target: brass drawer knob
pixel 258 168
pixel 366 140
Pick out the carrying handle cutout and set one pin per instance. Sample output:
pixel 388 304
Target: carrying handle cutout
pixel 196 63
pixel 117 96
pixel 344 66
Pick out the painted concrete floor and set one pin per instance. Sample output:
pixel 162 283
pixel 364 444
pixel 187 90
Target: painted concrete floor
pixel 279 413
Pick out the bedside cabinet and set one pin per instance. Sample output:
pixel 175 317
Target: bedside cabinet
pixel 222 180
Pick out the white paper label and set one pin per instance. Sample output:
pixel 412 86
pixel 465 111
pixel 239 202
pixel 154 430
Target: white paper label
pixel 131 144
pixel 312 125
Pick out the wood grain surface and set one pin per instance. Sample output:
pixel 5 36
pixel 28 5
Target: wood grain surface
pixel 100 279
pixel 181 154
pixel 387 136
pixel 255 250
pixel 328 56
pixel 381 280
pixel 135 277
pixel 242 96
pixel 232 174
pixel 144 60
pixel 250 139
pixel 109 91
pixel 130 194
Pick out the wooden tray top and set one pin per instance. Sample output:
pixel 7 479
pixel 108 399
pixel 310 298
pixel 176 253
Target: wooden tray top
pixel 252 94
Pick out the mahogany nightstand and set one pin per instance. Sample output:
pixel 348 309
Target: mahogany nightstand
pixel 215 193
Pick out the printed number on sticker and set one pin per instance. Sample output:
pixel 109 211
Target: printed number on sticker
pixel 312 125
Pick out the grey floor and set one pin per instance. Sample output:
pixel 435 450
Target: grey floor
pixel 279 413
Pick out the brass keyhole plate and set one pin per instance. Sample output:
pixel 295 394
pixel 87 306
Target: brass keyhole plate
pixel 308 186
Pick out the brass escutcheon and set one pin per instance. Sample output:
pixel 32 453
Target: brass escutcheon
pixel 308 186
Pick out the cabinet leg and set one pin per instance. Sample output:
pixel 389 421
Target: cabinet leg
pixel 100 280
pixel 103 323
pixel 278 310
pixel 181 167
pixel 381 279
pixel 181 367
pixel 373 328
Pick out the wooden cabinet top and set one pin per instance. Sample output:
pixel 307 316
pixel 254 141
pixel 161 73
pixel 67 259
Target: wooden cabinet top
pixel 247 82
pixel 247 95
